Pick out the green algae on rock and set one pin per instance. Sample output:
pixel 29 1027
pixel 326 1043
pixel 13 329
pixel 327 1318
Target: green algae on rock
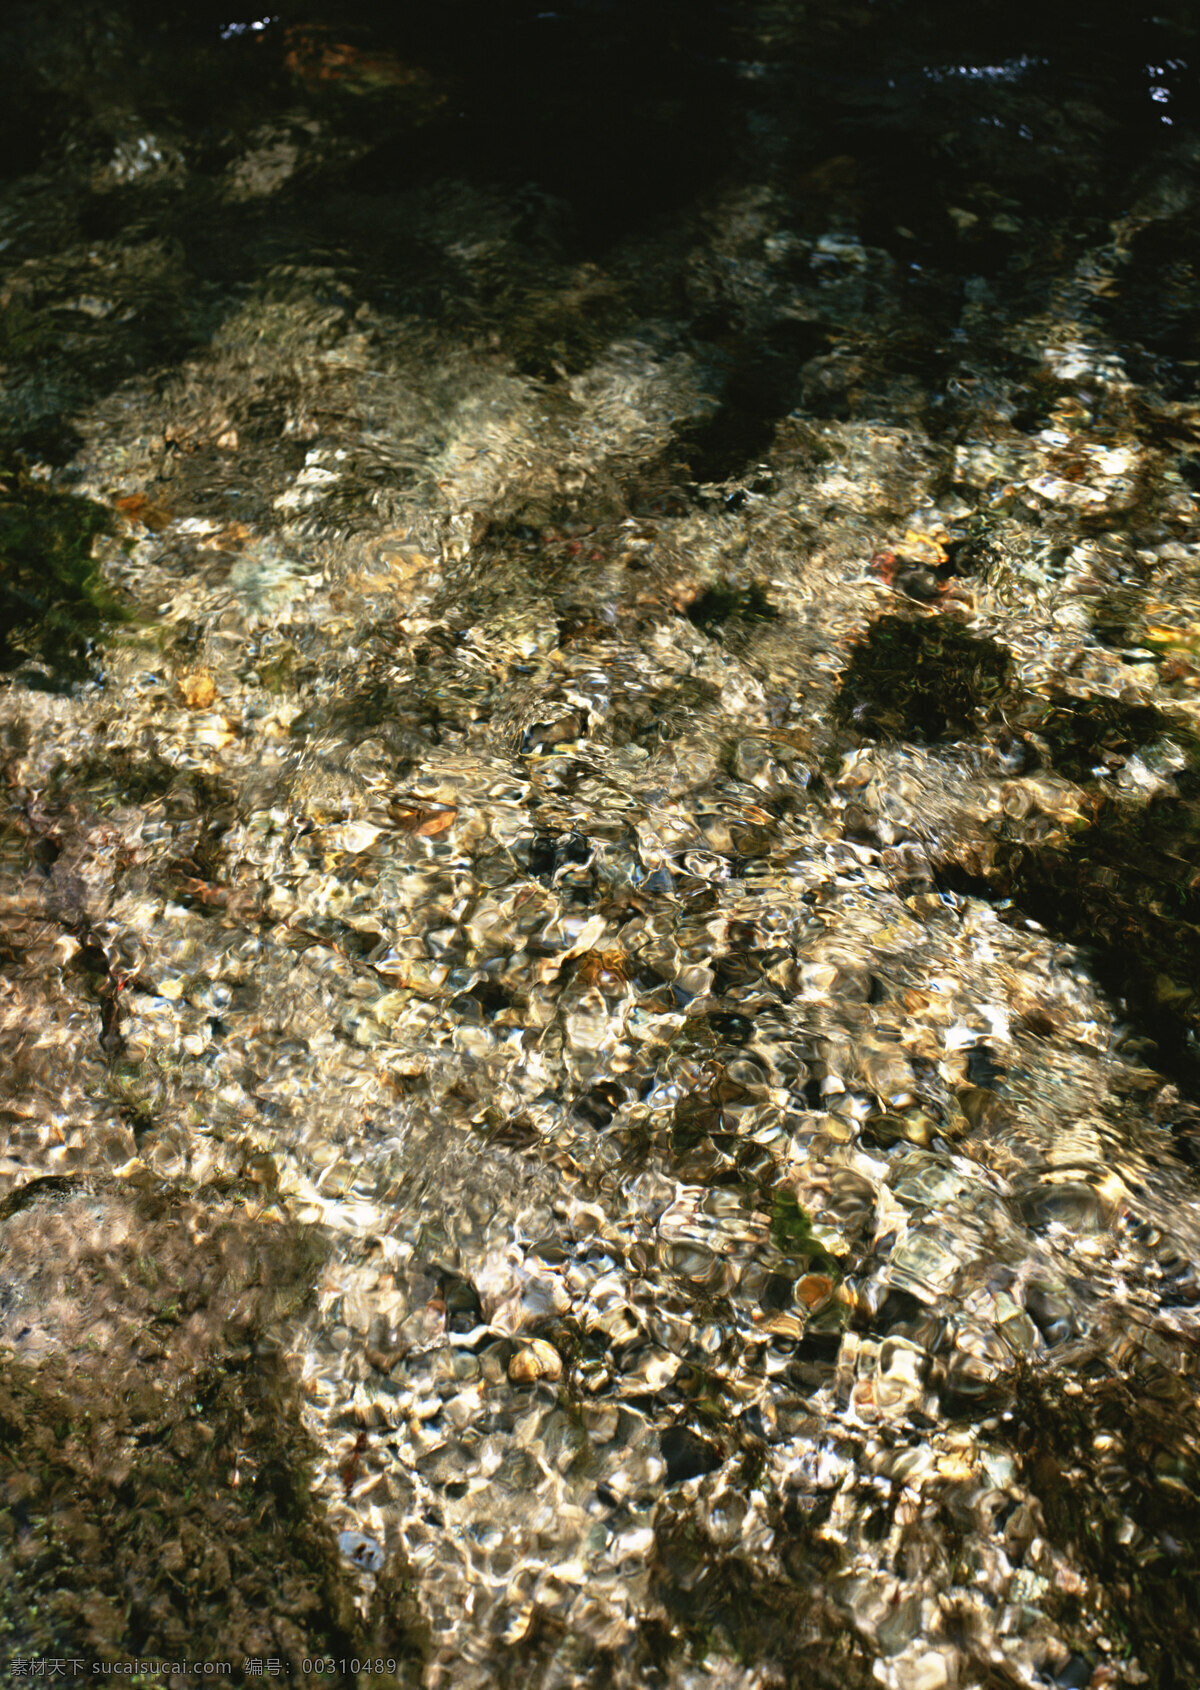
pixel 54 599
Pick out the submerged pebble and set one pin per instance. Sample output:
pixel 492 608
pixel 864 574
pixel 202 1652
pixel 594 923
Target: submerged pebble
pixel 363 1551
pixel 535 1361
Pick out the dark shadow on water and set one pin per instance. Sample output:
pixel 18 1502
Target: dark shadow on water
pixel 1144 1496
pixel 921 680
pixel 1126 890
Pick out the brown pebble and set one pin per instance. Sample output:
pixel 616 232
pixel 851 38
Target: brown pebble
pixel 814 1289
pixel 534 1361
pixel 426 821
pixel 198 689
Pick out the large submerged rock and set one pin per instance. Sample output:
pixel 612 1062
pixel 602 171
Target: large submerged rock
pixel 156 1500
pixel 600 727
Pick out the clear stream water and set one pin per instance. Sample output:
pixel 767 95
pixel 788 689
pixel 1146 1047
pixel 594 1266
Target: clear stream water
pixel 600 640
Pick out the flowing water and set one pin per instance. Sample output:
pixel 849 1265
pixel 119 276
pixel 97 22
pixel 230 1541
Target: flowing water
pixel 600 627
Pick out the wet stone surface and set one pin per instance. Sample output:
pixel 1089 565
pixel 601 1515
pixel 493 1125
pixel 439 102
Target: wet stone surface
pixel 600 640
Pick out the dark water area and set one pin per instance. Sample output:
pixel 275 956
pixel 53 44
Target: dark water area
pixel 600 849
pixel 910 128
